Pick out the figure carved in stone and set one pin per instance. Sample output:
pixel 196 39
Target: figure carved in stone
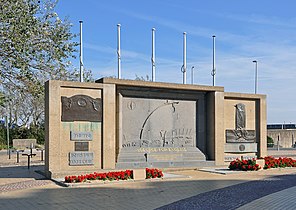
pixel 240 134
pixel 240 116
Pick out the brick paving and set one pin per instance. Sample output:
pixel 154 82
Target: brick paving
pixel 23 185
pixel 265 189
pixel 16 176
pixel 235 196
pixel 284 199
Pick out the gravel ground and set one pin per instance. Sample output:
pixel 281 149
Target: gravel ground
pixel 235 196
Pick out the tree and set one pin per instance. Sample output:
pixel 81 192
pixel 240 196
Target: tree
pixel 2 99
pixel 141 78
pixel 35 45
pixel 270 141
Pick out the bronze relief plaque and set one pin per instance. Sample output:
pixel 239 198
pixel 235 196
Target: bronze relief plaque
pixel 81 108
pixel 81 146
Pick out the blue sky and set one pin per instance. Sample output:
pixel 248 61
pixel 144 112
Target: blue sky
pixel 245 31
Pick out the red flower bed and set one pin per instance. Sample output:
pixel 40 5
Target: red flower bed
pixel 153 173
pixel 244 165
pixel 117 175
pixel 271 162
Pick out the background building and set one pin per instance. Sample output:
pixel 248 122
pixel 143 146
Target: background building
pixel 282 134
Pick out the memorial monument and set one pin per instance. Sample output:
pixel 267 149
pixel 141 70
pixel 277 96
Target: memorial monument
pixel 117 124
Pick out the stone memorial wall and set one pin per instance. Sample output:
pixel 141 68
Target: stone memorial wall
pixel 117 124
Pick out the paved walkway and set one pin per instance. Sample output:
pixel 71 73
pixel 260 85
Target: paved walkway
pixel 23 188
pixel 284 199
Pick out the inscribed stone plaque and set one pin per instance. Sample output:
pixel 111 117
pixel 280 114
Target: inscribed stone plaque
pixel 240 148
pixel 81 136
pixel 245 157
pixel 158 123
pixel 81 146
pixel 165 157
pixel 81 108
pixel 81 158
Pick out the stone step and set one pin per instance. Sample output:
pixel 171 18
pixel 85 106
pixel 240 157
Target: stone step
pixel 166 164
pixel 160 157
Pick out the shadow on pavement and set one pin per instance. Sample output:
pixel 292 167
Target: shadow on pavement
pixel 185 194
pixel 233 197
pixel 21 172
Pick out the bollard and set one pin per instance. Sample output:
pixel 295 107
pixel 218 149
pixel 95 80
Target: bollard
pixel 29 161
pixel 31 148
pixel 17 156
pixel 42 155
pixel 9 155
pixel 29 156
pixel 278 143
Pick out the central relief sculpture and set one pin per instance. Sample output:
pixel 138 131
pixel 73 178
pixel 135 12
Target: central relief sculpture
pixel 158 123
pixel 240 134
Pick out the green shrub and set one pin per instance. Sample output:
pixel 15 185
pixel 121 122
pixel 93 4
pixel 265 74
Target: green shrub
pixel 270 141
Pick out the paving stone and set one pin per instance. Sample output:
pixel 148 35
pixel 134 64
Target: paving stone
pixel 189 189
pixel 23 185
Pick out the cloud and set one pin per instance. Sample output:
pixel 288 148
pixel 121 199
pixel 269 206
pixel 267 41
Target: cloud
pixel 270 40
pixel 262 20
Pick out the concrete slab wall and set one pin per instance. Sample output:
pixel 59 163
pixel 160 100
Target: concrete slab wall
pixel 213 111
pixel 210 126
pixel 229 108
pixel 58 144
pixel 287 137
pixel 159 118
pixel 255 108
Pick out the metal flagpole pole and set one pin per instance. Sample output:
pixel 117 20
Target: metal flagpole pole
pixel 184 58
pixel 153 55
pixel 192 75
pixel 118 51
pixel 256 75
pixel 7 135
pixel 214 61
pixel 81 53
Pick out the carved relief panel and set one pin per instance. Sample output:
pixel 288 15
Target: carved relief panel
pixel 81 108
pixel 158 123
pixel 240 134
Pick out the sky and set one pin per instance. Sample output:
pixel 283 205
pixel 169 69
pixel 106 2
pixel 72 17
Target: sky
pixel 250 30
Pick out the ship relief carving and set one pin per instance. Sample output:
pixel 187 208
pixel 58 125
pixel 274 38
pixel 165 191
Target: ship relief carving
pixel 159 123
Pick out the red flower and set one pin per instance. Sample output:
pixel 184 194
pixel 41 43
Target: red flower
pixel 115 175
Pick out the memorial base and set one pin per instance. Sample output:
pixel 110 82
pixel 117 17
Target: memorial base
pixel 240 147
pixel 161 157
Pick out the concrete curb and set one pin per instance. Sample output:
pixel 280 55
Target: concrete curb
pixel 93 183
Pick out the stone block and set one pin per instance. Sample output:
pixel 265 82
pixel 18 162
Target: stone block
pixel 139 174
pixel 24 143
pixel 260 162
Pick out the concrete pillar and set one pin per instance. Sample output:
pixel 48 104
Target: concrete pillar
pixel 261 126
pixel 109 126
pixel 215 127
